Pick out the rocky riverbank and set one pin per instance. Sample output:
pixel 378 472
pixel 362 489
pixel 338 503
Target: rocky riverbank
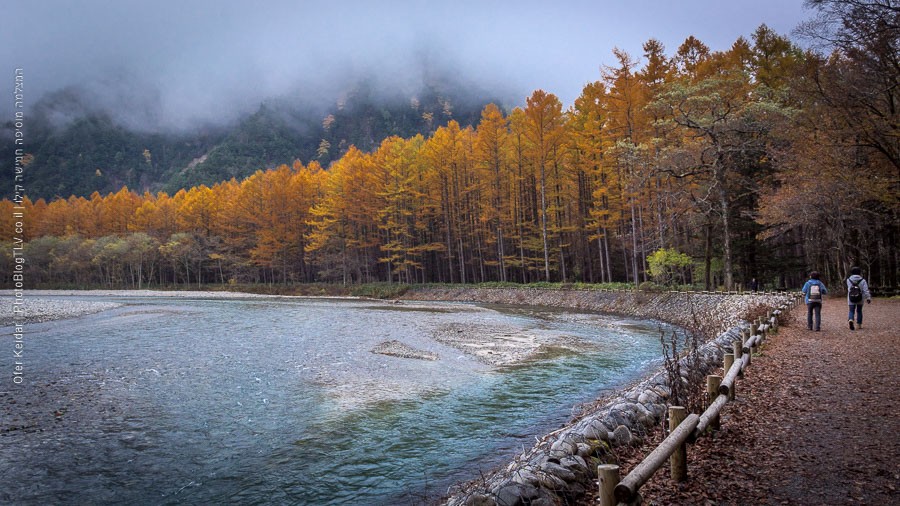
pixel 710 313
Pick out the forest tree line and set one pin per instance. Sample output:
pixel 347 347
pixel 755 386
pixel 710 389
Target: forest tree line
pixel 763 161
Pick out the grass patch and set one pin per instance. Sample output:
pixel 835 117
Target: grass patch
pixel 537 285
pixel 379 290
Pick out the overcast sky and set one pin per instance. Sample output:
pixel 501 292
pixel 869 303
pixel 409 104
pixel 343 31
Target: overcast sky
pixel 206 60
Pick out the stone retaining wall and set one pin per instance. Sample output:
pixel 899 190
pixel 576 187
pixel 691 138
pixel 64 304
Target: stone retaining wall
pixel 559 468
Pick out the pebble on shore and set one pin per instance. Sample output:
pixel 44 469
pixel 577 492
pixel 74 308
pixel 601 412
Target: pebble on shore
pixel 35 310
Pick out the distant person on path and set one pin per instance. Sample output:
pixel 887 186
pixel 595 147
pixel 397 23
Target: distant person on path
pixel 857 291
pixel 754 285
pixel 813 291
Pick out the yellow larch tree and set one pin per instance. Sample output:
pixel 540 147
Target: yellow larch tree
pixel 492 158
pixel 399 192
pixel 544 130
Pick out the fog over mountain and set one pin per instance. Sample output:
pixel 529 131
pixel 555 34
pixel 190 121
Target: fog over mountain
pixel 174 65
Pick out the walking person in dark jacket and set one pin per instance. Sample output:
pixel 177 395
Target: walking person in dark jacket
pixel 814 291
pixel 857 291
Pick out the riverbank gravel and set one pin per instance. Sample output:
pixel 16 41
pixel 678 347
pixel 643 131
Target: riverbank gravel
pixel 36 310
pixel 394 348
pixel 39 306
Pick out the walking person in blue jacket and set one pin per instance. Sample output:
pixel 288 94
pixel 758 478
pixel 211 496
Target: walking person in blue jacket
pixel 813 291
pixel 857 291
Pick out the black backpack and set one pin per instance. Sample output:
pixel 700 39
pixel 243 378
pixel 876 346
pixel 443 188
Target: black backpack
pixel 855 292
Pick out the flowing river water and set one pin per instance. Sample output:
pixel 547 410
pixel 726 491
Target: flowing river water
pixel 278 400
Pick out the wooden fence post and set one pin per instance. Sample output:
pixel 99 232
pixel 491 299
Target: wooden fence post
pixel 750 350
pixel 608 475
pixel 712 391
pixel 678 460
pixel 627 489
pixel 738 347
pixel 729 362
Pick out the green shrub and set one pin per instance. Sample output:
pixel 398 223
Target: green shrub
pixel 668 265
pixel 650 286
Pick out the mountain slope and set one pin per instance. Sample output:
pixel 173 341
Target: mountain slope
pixel 78 150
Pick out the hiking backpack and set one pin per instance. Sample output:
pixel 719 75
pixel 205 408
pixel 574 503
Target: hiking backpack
pixel 815 293
pixel 855 292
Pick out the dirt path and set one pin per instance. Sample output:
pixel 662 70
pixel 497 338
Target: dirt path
pixel 816 421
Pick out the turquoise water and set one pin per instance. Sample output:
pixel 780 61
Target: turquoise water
pixel 272 400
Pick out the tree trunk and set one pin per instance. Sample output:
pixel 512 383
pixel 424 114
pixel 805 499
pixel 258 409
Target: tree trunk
pixel 544 222
pixel 448 227
pixel 726 229
pixel 600 254
pixel 501 264
pixel 643 243
pixel 707 257
pixel 634 247
pixel 606 253
pixel 498 225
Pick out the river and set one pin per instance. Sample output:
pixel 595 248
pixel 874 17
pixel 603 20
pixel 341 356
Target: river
pixel 281 400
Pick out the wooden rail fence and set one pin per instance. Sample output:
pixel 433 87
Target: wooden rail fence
pixel 687 428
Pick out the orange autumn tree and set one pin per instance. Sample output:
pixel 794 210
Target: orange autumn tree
pixel 544 130
pixel 277 206
pixel 588 136
pixel 115 212
pixel 492 159
pixel 343 230
pixel 453 198
pixel 628 154
pixel 157 215
pixel 526 203
pixel 400 198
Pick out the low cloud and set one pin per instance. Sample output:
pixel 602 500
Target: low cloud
pixel 175 65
